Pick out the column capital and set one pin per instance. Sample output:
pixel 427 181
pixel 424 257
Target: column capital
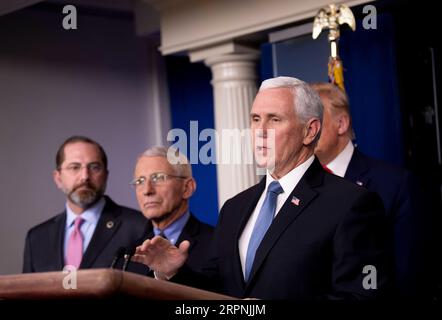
pixel 220 50
pixel 233 67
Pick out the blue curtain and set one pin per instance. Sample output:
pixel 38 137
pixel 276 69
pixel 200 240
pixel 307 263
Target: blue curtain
pixel 191 99
pixel 370 80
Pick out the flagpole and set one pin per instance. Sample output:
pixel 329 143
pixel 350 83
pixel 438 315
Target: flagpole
pixel 331 17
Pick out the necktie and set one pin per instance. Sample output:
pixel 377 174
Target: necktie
pixel 263 222
pixel 163 235
pixel 75 245
pixel 327 169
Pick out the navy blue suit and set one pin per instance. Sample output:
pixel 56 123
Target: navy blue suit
pixel 407 215
pixel 316 249
pixel 117 227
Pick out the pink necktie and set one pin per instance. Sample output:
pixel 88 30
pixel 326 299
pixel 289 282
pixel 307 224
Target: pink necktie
pixel 75 245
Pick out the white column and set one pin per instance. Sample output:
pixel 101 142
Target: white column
pixel 234 85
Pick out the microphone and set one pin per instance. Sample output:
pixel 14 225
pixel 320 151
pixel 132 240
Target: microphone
pixel 129 253
pixel 118 254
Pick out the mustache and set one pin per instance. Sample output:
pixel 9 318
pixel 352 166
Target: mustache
pixel 84 184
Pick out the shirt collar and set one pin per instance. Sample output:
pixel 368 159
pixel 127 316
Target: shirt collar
pixel 91 215
pixel 340 164
pixel 173 231
pixel 291 179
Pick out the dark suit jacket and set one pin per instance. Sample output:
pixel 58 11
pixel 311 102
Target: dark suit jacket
pixel 44 242
pixel 315 250
pixel 196 232
pixel 408 218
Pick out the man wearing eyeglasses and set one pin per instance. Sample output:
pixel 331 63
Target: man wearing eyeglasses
pixel 92 227
pixel 163 185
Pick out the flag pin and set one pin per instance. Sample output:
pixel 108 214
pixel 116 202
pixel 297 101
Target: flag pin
pixel 295 201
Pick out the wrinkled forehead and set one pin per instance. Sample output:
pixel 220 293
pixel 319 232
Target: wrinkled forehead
pixel 148 165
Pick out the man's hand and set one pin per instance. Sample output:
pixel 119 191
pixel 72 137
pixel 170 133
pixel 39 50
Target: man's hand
pixel 162 256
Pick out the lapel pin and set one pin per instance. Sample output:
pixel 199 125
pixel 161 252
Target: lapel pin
pixel 295 201
pixel 110 224
pixel 359 183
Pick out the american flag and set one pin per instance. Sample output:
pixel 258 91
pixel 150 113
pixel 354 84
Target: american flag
pixel 295 201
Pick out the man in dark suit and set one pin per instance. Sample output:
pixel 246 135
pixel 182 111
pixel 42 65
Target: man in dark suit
pixel 404 205
pixel 92 228
pixel 301 233
pixel 163 189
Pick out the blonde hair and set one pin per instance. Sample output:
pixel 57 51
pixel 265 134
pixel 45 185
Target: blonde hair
pixel 338 100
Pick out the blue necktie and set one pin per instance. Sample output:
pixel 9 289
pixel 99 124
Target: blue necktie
pixel 263 222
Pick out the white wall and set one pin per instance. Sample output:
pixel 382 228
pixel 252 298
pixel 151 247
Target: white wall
pixel 54 83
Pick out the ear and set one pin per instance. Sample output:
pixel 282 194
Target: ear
pixel 57 178
pixel 312 129
pixel 343 123
pixel 189 188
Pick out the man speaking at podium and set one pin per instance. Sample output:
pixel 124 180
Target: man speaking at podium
pixel 92 227
pixel 301 233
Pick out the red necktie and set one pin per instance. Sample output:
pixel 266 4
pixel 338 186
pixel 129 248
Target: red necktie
pixel 327 169
pixel 75 245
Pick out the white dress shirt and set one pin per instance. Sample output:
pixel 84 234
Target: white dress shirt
pixel 288 183
pixel 340 164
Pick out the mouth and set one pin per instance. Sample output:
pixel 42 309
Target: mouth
pixel 262 149
pixel 151 204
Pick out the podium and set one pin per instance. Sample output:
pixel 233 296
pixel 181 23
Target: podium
pixel 97 284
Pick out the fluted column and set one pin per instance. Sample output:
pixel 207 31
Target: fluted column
pixel 234 85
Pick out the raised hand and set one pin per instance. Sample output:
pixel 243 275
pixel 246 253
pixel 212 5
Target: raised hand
pixel 162 256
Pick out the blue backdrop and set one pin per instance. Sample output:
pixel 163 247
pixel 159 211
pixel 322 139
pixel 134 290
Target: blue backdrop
pixel 191 99
pixel 370 79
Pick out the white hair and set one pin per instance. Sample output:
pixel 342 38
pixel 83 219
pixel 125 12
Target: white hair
pixel 306 101
pixel 181 165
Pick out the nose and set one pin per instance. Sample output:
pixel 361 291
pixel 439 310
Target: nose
pixel 84 173
pixel 261 130
pixel 147 188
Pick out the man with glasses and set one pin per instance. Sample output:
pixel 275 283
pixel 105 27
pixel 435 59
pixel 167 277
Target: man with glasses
pixel 163 185
pixel 93 227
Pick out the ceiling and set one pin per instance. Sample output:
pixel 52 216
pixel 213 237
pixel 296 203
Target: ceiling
pixel 8 6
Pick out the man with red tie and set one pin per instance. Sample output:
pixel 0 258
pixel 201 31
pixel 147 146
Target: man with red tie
pixel 404 207
pixel 93 227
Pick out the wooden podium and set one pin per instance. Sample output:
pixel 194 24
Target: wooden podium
pixel 97 284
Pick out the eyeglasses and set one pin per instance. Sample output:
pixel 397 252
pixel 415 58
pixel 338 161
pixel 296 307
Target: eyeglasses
pixel 155 179
pixel 75 168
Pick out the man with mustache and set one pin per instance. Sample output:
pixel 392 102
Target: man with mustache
pixel 92 227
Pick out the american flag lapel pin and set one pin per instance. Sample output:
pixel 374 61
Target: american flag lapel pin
pixel 295 201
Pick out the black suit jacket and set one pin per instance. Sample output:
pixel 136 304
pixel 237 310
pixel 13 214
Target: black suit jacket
pixel 118 226
pixel 315 250
pixel 408 217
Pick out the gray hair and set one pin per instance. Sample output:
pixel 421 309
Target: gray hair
pixel 306 100
pixel 177 160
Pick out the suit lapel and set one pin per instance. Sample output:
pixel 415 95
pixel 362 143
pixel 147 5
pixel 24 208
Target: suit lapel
pixel 107 225
pixel 305 192
pixel 358 170
pixel 189 231
pixel 58 239
pixel 244 215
